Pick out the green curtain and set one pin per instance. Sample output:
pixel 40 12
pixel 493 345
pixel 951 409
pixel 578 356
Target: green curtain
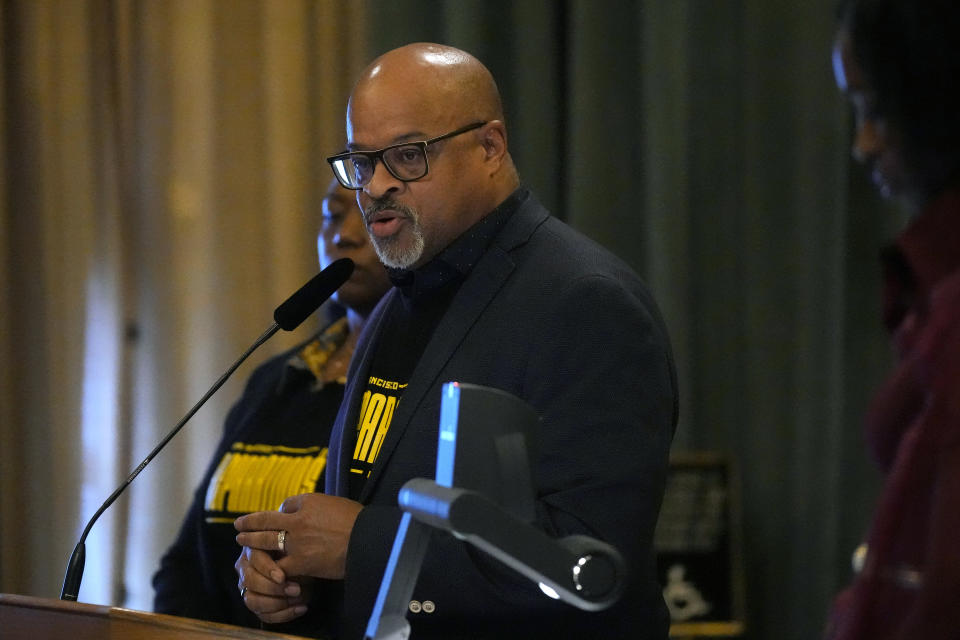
pixel 703 141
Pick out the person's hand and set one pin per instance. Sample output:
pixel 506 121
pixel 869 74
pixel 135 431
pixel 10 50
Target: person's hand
pixel 308 537
pixel 266 592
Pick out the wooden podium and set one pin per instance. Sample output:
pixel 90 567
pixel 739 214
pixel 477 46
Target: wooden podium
pixel 29 618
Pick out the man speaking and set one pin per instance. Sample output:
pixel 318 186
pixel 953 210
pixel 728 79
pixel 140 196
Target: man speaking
pixel 489 289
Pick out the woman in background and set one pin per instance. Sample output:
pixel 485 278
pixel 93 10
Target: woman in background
pixel 898 62
pixel 275 439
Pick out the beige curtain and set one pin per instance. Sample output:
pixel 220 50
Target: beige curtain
pixel 162 171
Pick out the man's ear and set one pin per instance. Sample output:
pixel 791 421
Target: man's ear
pixel 494 142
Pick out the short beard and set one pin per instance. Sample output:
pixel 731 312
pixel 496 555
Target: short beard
pixel 390 250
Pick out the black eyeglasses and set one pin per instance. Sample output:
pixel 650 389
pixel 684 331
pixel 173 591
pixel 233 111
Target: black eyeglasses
pixel 406 161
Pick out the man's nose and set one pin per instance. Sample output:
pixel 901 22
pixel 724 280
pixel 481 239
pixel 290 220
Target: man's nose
pixel 381 183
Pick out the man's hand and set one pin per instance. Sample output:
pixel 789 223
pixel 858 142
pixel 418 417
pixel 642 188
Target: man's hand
pixel 318 529
pixel 265 590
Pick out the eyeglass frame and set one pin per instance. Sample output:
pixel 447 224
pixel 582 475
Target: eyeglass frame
pixel 374 156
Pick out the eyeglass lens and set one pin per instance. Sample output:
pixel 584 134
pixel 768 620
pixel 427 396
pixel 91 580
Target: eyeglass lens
pixel 405 162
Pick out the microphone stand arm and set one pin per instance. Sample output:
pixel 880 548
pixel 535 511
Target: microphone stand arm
pixel 581 571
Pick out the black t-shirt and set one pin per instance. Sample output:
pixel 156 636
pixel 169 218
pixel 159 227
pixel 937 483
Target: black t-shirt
pixel 406 333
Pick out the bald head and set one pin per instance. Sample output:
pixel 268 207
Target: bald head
pixel 435 77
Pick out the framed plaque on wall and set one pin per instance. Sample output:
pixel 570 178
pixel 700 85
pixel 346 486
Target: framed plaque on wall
pixel 699 547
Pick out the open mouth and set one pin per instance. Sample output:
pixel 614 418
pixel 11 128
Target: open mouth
pixel 385 222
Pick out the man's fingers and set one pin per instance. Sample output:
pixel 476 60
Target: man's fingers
pixel 272 601
pixel 263 540
pixel 259 572
pixel 261 521
pixel 265 565
pixel 284 615
pixel 272 608
pixel 292 504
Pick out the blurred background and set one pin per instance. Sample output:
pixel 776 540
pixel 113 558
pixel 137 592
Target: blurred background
pixel 161 176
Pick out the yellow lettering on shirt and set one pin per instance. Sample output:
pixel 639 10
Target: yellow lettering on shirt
pixel 258 477
pixel 376 413
pixel 373 406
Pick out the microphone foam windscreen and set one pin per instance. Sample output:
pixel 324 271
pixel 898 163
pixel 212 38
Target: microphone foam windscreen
pixel 310 296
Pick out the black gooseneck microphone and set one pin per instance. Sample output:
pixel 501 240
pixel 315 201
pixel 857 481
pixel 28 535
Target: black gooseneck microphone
pixel 288 316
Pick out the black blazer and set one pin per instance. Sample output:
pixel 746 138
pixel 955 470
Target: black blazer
pixel 555 319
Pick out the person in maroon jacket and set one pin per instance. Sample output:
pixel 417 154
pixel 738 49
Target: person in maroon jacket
pixel 898 62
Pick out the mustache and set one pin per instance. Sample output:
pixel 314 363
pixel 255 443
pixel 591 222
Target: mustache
pixel 387 204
